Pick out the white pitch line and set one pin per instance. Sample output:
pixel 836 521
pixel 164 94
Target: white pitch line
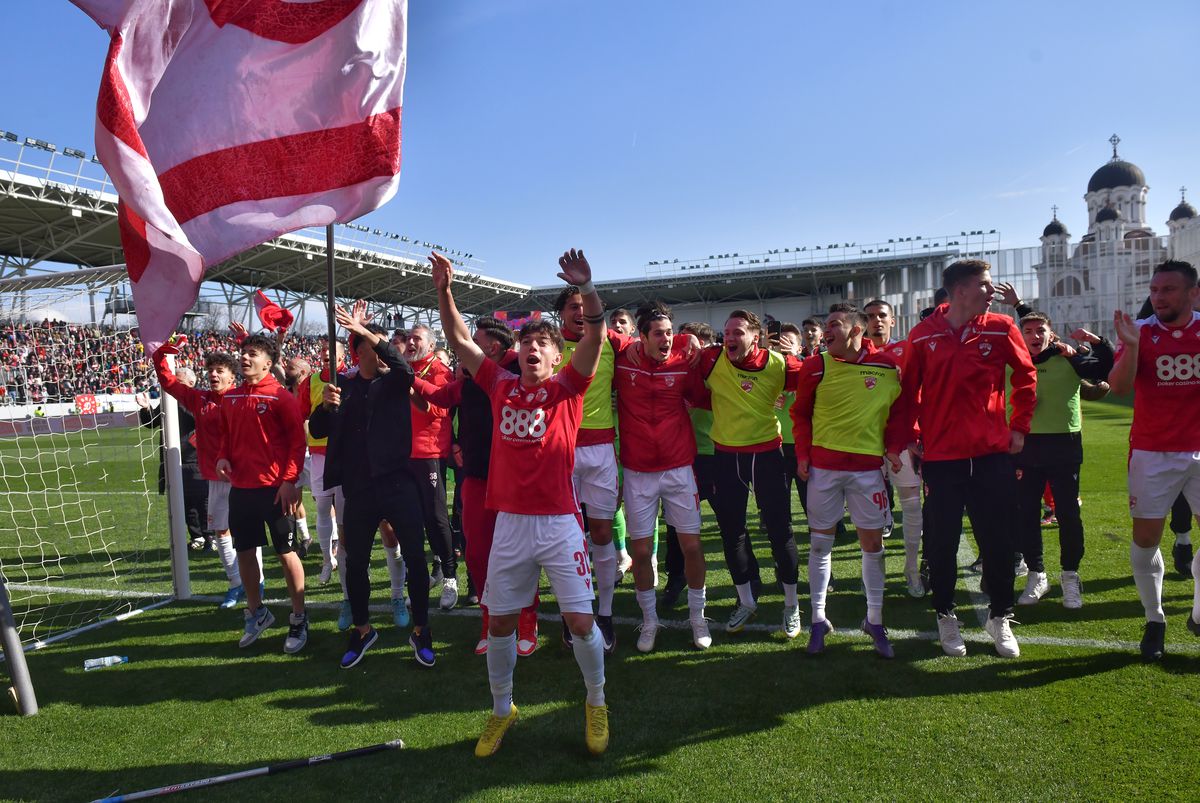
pixel 852 634
pixel 80 492
pixel 86 592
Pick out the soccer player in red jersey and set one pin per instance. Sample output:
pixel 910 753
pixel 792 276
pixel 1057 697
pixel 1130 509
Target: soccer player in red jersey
pixel 1159 360
pixel 957 361
pixel 536 417
pixel 658 447
pixel 261 453
pixel 881 321
pixel 846 398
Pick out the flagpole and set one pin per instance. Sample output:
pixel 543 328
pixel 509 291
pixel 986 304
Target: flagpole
pixel 331 301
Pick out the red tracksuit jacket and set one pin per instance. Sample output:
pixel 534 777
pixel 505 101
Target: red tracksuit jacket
pixel 432 428
pixel 960 379
pixel 205 407
pixel 262 435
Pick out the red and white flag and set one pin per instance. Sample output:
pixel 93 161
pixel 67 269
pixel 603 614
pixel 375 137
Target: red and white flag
pixel 271 315
pixel 225 123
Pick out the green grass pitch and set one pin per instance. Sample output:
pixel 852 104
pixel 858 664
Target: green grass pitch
pixel 1076 717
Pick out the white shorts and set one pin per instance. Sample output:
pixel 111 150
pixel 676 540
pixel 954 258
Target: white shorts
pixel 831 492
pixel 676 488
pixel 595 479
pixel 1157 478
pixel 305 478
pixel 907 476
pixel 218 506
pixel 315 465
pixel 524 545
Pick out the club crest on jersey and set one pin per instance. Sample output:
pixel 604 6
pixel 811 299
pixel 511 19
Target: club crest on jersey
pixel 541 395
pixel 870 382
pixel 985 348
pixel 747 386
pixel 1178 333
pixel 670 380
pixel 260 408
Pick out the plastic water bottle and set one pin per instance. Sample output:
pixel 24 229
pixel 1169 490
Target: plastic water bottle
pixel 101 663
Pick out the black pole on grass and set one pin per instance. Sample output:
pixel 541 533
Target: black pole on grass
pixel 329 278
pixel 273 769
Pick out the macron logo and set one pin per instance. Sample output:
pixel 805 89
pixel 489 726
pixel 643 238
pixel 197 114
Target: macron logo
pixel 932 345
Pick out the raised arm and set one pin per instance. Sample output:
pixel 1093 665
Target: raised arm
pixel 1120 378
pixel 455 329
pixel 577 271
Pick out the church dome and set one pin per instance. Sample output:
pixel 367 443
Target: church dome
pixel 1055 227
pixel 1117 173
pixel 1184 211
pixel 1109 212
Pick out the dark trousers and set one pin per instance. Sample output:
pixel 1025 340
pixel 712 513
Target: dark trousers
pixel 705 473
pixel 394 498
pixel 1064 484
pixel 984 487
pixel 431 488
pixel 1181 515
pixel 736 474
pixel 195 506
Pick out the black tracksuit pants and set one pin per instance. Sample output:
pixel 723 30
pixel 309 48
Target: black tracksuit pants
pixel 736 474
pixel 392 497
pixel 430 477
pixel 1064 484
pixel 984 487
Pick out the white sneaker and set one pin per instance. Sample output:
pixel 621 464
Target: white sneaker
pixel 326 573
pixel 1006 643
pixel 1072 590
pixel 449 594
pixel 700 635
pixel 916 587
pixel 1036 586
pixel 791 621
pixel 649 632
pixel 949 635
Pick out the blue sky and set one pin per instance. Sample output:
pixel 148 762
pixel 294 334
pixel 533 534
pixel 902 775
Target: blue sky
pixel 652 130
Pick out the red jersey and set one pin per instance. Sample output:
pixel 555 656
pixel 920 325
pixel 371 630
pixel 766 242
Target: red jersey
pixel 262 435
pixel 205 407
pixel 431 429
pixel 656 430
pixel 957 379
pixel 1166 387
pixel 534 430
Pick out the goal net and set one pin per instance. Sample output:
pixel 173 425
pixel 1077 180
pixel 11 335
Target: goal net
pixel 84 533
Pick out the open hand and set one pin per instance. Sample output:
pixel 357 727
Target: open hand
pixel 1008 294
pixel 1127 330
pixel 443 271
pixel 575 268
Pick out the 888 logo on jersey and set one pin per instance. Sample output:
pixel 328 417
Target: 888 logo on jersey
pixel 520 424
pixel 1177 368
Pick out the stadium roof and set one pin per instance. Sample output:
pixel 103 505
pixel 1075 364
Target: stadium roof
pixel 60 208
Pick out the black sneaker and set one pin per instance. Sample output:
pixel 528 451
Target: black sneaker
pixel 435 575
pixel 1182 553
pixel 358 645
pixel 1154 641
pixel 606 630
pixel 1193 626
pixel 422 644
pixel 672 591
pixel 887 530
pixel 567 638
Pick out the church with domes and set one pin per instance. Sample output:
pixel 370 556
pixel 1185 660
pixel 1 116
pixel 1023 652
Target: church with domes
pixel 1109 267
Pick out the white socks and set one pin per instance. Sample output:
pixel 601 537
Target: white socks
pixel 262 577
pixel 872 577
pixel 395 565
pixel 696 602
pixel 229 559
pixel 501 661
pixel 647 602
pixel 1196 587
pixel 745 595
pixel 1147 566
pixel 589 654
pixel 789 594
pixel 820 566
pixel 910 507
pixel 302 528
pixel 326 528
pixel 1183 538
pixel 604 563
